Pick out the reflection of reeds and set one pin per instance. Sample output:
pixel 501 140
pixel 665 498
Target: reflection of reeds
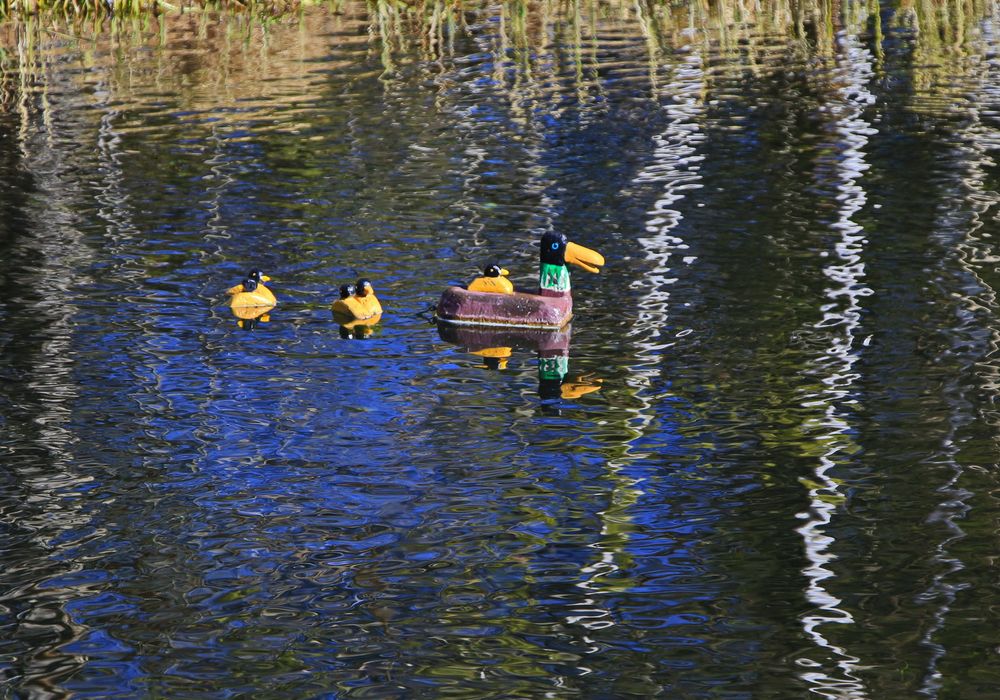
pixel 536 46
pixel 96 9
pixel 522 34
pixel 527 27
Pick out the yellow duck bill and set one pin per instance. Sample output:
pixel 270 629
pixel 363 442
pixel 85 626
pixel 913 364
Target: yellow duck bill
pixel 589 260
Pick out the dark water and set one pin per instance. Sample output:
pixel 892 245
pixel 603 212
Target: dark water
pixel 768 467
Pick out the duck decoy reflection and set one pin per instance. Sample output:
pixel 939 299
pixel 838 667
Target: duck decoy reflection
pixel 357 330
pixel 251 292
pixel 550 308
pixel 247 317
pixel 495 357
pixel 496 346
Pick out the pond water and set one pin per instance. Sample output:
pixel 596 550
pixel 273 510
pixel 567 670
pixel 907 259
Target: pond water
pixel 761 463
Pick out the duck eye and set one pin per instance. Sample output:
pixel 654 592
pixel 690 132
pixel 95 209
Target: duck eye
pixel 555 246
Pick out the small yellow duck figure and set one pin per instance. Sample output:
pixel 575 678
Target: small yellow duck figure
pixel 358 303
pixel 494 280
pixel 251 292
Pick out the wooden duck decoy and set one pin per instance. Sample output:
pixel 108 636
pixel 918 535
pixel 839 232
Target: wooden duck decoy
pixel 251 292
pixel 359 303
pixel 550 308
pixel 494 280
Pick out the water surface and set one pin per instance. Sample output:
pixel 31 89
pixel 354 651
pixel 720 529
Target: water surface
pixel 766 465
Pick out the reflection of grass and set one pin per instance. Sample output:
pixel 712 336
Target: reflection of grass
pixel 82 9
pixel 534 46
pixel 530 21
pixel 524 33
pixel 528 27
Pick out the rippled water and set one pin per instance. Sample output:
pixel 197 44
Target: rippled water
pixel 762 463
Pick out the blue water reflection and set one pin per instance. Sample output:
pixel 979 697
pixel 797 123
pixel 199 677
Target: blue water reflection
pixel 760 465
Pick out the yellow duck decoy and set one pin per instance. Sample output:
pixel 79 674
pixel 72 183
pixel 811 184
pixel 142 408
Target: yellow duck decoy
pixel 251 292
pixel 358 303
pixel 494 281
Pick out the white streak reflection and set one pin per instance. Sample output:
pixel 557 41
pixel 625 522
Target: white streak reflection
pixel 961 234
pixel 834 673
pixel 674 167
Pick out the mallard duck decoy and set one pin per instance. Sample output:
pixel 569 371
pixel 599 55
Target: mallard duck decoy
pixel 251 292
pixel 359 304
pixel 494 281
pixel 550 308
